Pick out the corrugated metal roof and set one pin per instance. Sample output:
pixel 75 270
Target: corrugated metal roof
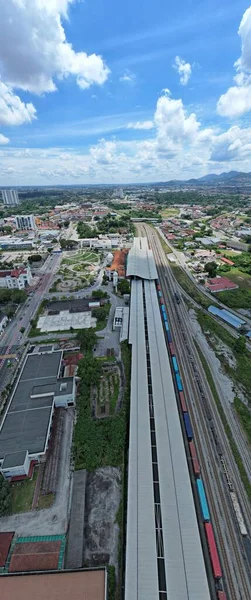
pixel 185 568
pixel 227 316
pixel 184 563
pixel 140 261
pixel 141 580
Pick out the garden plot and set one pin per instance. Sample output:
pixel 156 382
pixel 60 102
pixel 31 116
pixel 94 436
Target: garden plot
pixel 105 397
pixel 77 271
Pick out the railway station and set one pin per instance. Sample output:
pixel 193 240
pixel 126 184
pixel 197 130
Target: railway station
pixel 164 557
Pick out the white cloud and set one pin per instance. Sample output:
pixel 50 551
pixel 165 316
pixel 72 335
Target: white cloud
pixel 12 110
pixel 141 125
pixel 237 100
pixel 3 140
pixel 184 69
pixel 128 77
pixel 34 51
pixel 181 149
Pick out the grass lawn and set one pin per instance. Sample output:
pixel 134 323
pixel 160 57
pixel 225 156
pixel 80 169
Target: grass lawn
pixel 169 212
pixel 243 280
pixel 46 501
pixel 240 298
pixel 189 287
pixel 22 494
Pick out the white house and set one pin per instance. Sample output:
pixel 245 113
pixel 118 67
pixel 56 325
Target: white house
pixel 16 278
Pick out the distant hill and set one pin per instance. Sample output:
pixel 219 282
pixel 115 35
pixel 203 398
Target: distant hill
pixel 230 179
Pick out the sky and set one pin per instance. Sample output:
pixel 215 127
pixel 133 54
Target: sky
pixel 95 91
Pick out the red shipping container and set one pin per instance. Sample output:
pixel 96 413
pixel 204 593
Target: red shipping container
pixel 161 301
pixel 171 346
pixel 213 551
pixel 183 402
pixel 222 596
pixel 195 462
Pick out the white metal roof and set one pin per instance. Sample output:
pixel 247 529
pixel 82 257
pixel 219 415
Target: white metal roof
pixel 185 568
pixel 140 262
pixel 141 580
pixel 186 577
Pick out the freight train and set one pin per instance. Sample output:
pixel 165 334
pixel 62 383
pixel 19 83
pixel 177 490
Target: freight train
pixel 204 509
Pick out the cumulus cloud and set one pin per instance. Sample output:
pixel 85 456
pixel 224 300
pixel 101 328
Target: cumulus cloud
pixel 174 126
pixel 128 77
pixel 184 69
pixel 34 51
pixel 141 125
pixel 12 110
pixel 237 100
pixel 3 139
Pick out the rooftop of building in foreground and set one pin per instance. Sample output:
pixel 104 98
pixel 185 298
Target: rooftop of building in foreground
pixel 83 584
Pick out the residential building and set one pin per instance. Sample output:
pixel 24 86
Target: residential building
pixel 25 222
pixel 220 284
pixel 16 278
pixel 10 197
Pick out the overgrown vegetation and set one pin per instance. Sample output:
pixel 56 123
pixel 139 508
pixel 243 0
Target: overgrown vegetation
pixel 87 339
pixel 241 375
pixel 34 331
pixel 238 298
pixel 224 420
pixel 15 296
pixel 22 494
pixel 189 287
pixel 5 497
pixel 99 443
pixel 244 415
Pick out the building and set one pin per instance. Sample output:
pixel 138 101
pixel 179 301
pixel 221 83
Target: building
pixel 82 584
pixel 16 278
pixel 8 242
pixel 26 426
pixel 69 314
pixel 227 316
pixel 10 197
pixel 121 321
pixel 25 222
pixel 118 264
pixel 3 322
pixel 220 284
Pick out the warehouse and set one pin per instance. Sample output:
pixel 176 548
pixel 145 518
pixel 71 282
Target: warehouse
pixel 84 584
pixel 25 429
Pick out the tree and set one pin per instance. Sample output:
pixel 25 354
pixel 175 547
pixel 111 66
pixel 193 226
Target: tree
pixel 211 269
pixel 87 339
pixel 240 345
pixel 99 294
pixel 89 369
pixel 35 258
pixel 5 497
pixel 99 313
pixel 67 244
pixel 124 287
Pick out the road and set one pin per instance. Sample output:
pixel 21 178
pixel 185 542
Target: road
pixel 12 337
pixel 202 406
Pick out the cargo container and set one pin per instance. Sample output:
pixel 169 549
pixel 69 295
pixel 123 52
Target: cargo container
pixel 203 500
pixel 160 293
pixel 175 364
pixel 169 337
pixel 213 551
pixel 221 595
pixel 161 301
pixel 165 317
pixel 195 462
pixel 171 346
pixel 183 402
pixel 158 287
pixel 163 308
pixel 179 382
pixel 188 426
pixel 166 325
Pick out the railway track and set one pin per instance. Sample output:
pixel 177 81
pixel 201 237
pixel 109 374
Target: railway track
pixel 230 543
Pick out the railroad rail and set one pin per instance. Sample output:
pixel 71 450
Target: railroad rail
pixel 230 543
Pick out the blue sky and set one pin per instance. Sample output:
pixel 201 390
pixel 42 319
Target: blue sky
pixel 100 91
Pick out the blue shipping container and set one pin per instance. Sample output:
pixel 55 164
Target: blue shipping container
pixel 175 364
pixel 163 308
pixel 169 337
pixel 188 426
pixel 166 326
pixel 203 500
pixel 179 382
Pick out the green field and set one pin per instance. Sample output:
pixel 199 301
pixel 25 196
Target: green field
pixel 243 280
pixel 81 257
pixel 22 494
pixel 169 212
